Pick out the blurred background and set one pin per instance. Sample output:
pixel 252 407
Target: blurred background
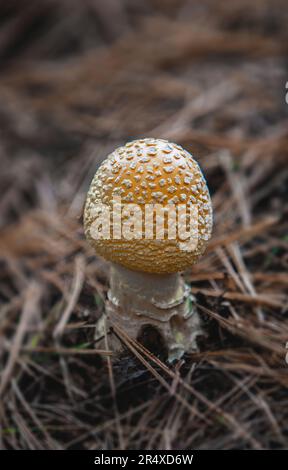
pixel 77 79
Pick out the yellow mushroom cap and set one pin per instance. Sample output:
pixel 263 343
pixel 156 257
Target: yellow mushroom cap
pixel 149 171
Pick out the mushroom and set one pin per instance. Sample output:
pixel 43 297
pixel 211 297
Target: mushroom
pixel 136 216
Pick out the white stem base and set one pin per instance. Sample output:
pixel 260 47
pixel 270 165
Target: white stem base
pixel 156 310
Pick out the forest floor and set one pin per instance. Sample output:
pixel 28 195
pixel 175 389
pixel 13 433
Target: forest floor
pixel 77 80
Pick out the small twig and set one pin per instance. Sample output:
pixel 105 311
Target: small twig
pixel 75 292
pixel 30 309
pixel 66 351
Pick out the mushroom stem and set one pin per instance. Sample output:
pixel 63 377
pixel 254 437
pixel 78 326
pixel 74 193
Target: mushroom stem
pixel 158 310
